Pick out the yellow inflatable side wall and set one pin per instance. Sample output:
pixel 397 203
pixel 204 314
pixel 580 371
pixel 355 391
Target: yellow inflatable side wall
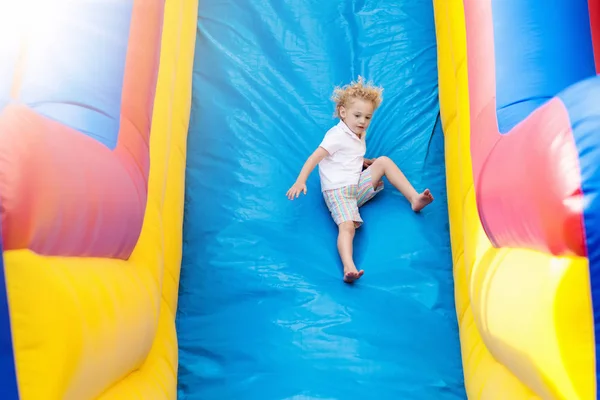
pixel 525 318
pixel 116 332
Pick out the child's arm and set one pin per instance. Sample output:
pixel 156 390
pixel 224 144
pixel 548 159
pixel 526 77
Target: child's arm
pixel 300 185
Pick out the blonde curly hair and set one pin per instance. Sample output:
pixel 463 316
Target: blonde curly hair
pixel 342 96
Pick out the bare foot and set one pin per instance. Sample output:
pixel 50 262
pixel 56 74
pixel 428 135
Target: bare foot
pixel 352 274
pixel 422 200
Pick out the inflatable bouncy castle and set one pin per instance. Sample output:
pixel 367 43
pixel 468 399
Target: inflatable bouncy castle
pixel 520 105
pixel 149 251
pixel 94 99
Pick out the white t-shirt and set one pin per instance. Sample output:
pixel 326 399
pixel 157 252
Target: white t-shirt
pixel 343 166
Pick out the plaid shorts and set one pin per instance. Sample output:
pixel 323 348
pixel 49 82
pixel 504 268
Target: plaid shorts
pixel 343 203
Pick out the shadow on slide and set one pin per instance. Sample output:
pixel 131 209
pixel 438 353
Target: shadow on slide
pixel 263 312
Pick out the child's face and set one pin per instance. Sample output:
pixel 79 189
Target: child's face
pixel 357 115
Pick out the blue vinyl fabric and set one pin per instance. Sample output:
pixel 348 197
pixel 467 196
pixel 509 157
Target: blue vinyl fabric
pixel 9 389
pixel 263 312
pixel 72 73
pixel 541 47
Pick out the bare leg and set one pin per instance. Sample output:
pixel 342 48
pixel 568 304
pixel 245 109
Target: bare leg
pixel 345 239
pixel 385 166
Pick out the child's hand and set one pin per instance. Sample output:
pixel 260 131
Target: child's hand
pixel 368 161
pixel 295 190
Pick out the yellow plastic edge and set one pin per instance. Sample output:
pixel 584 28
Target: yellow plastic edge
pixel 525 318
pixel 85 328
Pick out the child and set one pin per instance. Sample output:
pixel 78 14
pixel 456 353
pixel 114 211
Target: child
pixel 344 183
